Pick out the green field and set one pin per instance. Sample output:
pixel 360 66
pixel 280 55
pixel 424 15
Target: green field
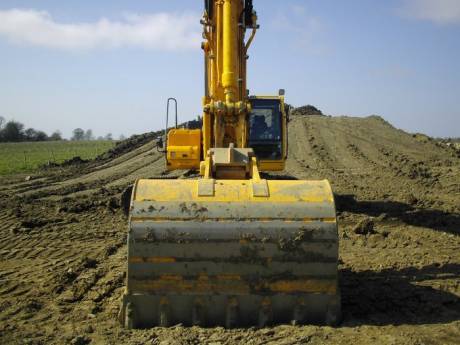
pixel 27 157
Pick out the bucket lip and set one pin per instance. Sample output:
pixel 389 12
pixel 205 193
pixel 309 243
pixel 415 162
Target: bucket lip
pixel 311 308
pixel 280 191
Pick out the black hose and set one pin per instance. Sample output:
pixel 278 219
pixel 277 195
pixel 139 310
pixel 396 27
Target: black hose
pixel 248 10
pixel 209 7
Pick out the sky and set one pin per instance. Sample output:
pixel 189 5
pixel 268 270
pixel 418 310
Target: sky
pixel 110 65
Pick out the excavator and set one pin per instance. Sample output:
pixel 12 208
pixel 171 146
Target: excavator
pixel 234 246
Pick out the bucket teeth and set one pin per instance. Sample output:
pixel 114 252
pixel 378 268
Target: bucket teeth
pixel 198 313
pixel 164 313
pixel 298 314
pixel 232 313
pixel 129 319
pixel 265 313
pixel 334 313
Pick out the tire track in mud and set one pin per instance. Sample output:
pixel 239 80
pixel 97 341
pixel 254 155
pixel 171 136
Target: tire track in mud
pixel 334 161
pixel 304 158
pixel 35 259
pixel 90 176
pixel 94 179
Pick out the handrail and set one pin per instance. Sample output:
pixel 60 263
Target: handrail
pixel 167 121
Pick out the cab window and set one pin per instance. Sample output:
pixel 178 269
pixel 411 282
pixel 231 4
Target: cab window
pixel 265 129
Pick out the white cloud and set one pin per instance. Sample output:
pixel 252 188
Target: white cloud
pixel 160 31
pixel 437 11
pixel 304 30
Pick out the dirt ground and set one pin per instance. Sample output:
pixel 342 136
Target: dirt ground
pixel 62 242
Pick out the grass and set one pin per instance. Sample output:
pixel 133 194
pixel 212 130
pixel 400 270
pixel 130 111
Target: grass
pixel 27 157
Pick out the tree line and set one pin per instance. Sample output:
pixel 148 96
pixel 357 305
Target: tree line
pixel 79 134
pixel 14 131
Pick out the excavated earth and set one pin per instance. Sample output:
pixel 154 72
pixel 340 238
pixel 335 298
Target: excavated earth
pixel 63 241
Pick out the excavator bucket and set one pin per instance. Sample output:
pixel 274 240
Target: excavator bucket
pixel 231 253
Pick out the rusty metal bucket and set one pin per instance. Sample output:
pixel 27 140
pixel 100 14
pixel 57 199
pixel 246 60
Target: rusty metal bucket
pixel 231 258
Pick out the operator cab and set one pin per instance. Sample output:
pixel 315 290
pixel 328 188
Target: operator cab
pixel 266 129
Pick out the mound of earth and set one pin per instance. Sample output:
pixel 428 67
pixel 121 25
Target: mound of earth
pixel 306 110
pixel 63 241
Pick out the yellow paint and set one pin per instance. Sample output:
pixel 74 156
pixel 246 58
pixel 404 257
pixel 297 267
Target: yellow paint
pixel 272 165
pixel 234 191
pixel 227 277
pixel 184 149
pixel 150 260
pixel 196 286
pixel 171 277
pixel 304 286
pixel 225 56
pixel 232 284
pixel 230 49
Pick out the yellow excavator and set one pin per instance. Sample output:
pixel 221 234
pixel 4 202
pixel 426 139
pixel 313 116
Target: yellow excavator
pixel 231 247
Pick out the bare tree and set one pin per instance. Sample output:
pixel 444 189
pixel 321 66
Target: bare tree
pixel 2 121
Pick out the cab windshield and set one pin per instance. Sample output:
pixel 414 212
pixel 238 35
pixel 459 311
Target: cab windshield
pixel 265 129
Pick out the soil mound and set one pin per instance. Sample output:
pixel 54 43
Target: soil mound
pixel 128 145
pixel 306 110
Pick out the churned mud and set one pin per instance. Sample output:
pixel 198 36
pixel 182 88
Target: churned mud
pixel 63 233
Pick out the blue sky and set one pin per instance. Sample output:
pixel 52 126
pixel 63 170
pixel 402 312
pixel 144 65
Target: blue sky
pixel 111 65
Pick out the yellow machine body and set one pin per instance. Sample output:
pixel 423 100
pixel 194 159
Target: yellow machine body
pixel 233 247
pixel 184 149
